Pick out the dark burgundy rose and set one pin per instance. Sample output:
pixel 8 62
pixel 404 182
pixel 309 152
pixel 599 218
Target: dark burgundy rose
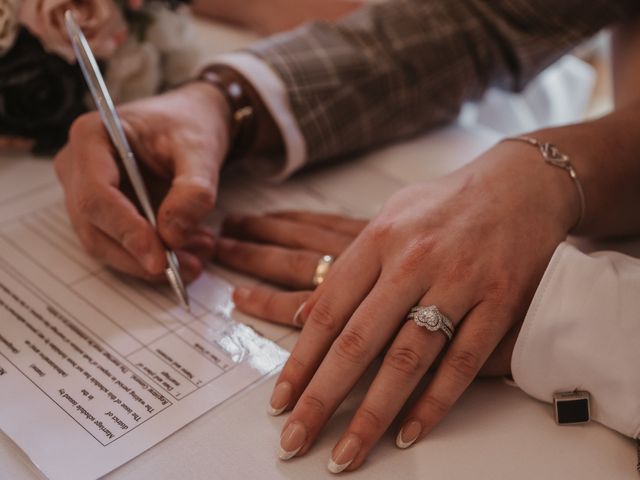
pixel 40 94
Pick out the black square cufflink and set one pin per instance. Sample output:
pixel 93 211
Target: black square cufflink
pixel 572 408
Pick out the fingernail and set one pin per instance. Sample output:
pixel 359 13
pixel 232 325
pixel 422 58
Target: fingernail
pixel 241 294
pixel 408 434
pixel 150 263
pixel 292 440
pixel 297 317
pixel 344 453
pixel 280 398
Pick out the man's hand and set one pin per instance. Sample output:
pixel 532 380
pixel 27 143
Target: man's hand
pixel 180 137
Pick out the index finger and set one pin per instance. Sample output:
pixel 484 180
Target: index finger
pixel 332 221
pixel 91 177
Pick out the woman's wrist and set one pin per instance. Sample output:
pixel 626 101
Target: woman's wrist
pixel 532 186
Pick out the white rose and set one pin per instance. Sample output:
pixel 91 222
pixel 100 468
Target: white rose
pixel 9 10
pixel 134 71
pixel 172 33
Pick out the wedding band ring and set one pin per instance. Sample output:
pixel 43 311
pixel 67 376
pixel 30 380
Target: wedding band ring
pixel 322 269
pixel 431 319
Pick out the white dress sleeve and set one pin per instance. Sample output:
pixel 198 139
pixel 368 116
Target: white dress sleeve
pixel 582 331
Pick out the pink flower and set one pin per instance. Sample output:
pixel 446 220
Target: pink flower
pixel 101 21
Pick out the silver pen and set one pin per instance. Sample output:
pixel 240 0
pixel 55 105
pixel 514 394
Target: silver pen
pixel 112 123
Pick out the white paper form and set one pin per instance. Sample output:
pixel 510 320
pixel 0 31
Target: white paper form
pixel 95 368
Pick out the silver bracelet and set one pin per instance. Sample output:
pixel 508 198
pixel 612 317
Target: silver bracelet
pixel 554 157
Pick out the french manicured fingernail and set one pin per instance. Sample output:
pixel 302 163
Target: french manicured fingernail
pixel 297 317
pixel 292 440
pixel 241 294
pixel 280 398
pixel 408 434
pixel 344 453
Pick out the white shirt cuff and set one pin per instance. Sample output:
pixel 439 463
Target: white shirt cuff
pixel 582 331
pixel 273 92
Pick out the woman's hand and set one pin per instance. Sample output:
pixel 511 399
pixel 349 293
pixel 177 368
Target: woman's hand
pixel 283 248
pixel 475 244
pixel 181 138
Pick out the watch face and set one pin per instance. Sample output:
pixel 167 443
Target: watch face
pixel 572 411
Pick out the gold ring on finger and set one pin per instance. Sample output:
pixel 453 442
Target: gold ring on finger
pixel 322 269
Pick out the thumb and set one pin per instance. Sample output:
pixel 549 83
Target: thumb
pixel 191 197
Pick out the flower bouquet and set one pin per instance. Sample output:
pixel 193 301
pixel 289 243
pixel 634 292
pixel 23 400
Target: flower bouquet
pixel 142 47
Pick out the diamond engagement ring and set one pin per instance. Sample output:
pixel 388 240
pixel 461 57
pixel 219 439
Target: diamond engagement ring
pixel 431 319
pixel 322 269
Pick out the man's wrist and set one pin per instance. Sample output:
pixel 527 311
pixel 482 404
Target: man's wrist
pixel 252 130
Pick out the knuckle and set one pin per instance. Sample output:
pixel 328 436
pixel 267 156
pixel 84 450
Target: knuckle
pixel 373 419
pixel 351 345
pixel 381 229
pixel 498 289
pixel 295 363
pixel 434 406
pixel 267 302
pixel 238 251
pixel 78 129
pixel 405 360
pixel 322 318
pixel 297 262
pixel 87 202
pixel 465 364
pixel 415 254
pixel 313 404
pixel 457 273
pixel 135 241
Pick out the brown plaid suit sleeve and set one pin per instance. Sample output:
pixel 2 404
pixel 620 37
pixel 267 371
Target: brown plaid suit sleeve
pixel 397 68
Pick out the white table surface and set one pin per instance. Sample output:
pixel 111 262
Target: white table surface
pixel 494 432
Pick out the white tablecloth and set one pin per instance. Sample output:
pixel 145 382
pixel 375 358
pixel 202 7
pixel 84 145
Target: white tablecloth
pixel 494 432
